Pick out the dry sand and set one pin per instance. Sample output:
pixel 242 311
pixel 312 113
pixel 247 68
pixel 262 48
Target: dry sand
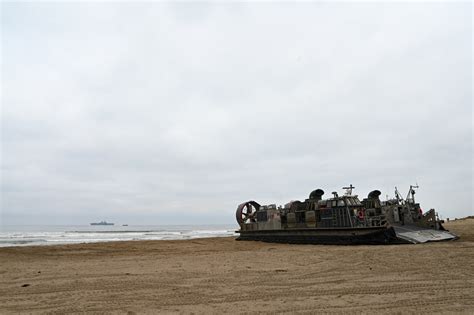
pixel 222 275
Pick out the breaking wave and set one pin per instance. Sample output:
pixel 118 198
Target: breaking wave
pixel 47 235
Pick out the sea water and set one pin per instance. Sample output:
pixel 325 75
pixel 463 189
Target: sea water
pixel 70 234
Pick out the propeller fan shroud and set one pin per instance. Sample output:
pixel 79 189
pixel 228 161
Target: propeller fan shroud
pixel 246 212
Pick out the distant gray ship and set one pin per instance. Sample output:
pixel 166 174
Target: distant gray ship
pixel 102 223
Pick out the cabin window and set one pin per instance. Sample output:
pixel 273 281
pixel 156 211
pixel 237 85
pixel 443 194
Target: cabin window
pixel 334 203
pixel 341 203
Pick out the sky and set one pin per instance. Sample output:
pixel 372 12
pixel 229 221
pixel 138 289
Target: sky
pixel 175 113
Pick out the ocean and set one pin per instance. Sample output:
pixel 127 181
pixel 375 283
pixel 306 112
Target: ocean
pixel 26 235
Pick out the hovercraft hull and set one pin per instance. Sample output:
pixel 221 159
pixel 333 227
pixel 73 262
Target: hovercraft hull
pixel 408 234
pixel 325 236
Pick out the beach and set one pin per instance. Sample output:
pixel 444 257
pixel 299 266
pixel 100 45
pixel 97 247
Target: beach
pixel 221 275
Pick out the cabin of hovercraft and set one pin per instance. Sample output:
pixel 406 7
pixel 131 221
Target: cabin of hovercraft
pixel 339 211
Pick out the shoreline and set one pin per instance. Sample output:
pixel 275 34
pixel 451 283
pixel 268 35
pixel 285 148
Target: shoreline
pixel 451 223
pixel 108 242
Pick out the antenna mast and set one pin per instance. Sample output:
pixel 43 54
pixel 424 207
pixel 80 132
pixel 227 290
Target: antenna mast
pixel 411 194
pixel 399 196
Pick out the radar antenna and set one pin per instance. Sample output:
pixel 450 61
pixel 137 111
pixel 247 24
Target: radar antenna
pixel 348 190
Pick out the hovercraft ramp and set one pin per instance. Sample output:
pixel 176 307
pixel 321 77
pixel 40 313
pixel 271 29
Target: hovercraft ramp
pixel 415 234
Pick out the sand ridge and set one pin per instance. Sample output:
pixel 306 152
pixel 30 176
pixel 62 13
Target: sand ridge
pixel 223 275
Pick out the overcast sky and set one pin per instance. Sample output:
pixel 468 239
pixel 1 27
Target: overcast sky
pixel 159 113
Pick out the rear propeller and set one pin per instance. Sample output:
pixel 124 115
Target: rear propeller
pixel 246 212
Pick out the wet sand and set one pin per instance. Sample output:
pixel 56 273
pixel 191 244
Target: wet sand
pixel 222 275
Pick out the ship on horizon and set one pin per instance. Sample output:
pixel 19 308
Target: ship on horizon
pixel 102 223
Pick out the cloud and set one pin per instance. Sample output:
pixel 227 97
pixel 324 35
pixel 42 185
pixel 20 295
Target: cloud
pixel 139 111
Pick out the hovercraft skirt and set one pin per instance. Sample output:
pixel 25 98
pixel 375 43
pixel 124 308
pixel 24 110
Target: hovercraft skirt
pixel 343 236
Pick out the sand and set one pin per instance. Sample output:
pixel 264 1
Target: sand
pixel 223 275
